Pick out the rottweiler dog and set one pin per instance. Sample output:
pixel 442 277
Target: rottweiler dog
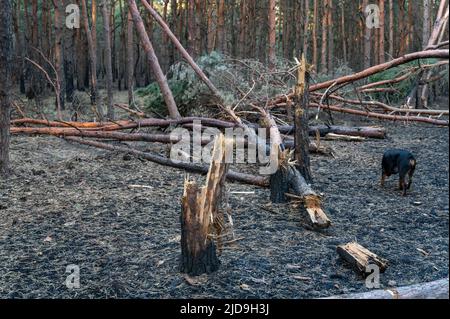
pixel 400 162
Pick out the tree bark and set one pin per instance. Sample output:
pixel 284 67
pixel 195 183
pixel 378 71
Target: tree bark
pixel 391 29
pixel 130 59
pixel 6 47
pixel 301 134
pixel 381 58
pixel 324 61
pixel 314 36
pixel 272 34
pixel 109 76
pixel 153 61
pixel 426 23
pixel 220 44
pixel 96 105
pixel 59 57
pixel 200 209
pixel 367 38
pixel 433 290
pixel 181 49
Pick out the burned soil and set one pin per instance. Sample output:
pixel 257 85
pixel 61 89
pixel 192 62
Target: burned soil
pixel 116 217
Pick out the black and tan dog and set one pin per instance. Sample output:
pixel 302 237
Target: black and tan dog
pixel 400 162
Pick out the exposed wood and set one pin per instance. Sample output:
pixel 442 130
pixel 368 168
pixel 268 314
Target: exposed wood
pixel 360 258
pixel 301 133
pixel 431 290
pixel 288 180
pixel 199 210
pixel 338 137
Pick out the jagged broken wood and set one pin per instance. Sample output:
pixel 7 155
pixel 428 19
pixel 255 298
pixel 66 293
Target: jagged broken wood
pixel 360 258
pixel 288 180
pixel 199 210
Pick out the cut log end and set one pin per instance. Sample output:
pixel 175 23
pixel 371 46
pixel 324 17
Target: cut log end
pixel 360 258
pixel 318 217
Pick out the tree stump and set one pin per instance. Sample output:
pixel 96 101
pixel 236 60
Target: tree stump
pixel 288 179
pixel 295 175
pixel 198 213
pixel 360 257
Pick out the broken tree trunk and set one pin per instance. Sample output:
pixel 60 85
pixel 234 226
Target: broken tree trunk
pixel 199 210
pixel 295 178
pixel 360 258
pixel 301 135
pixel 431 290
pixel 288 179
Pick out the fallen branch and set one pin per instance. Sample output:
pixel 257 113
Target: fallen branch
pixel 432 290
pixel 197 168
pixel 440 54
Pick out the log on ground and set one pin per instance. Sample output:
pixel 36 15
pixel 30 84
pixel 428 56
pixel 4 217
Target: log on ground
pixel 360 258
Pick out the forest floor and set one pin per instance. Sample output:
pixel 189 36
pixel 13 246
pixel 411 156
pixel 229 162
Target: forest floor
pixel 68 204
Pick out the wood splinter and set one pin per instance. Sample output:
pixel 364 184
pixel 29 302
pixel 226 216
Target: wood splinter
pixel 198 214
pixel 360 258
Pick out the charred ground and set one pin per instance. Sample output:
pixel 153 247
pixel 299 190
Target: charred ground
pixel 70 204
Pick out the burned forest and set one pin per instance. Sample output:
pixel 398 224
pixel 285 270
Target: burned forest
pixel 226 150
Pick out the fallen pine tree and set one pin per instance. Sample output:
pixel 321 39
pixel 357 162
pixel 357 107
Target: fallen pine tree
pixel 23 126
pixel 142 137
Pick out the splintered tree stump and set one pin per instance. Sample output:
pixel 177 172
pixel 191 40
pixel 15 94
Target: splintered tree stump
pixel 289 180
pixel 295 175
pixel 360 258
pixel 199 209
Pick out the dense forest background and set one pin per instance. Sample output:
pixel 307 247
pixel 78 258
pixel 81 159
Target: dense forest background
pixel 332 34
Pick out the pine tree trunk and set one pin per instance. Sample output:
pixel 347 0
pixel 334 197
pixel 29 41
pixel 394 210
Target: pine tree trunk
pixel 314 36
pixel 391 29
pixel 272 34
pixel 426 23
pixel 6 51
pixel 130 59
pixel 108 60
pixel 153 61
pixel 330 36
pixel 381 58
pixel 220 45
pixel 95 103
pixel 324 60
pixel 59 59
pixel 367 38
